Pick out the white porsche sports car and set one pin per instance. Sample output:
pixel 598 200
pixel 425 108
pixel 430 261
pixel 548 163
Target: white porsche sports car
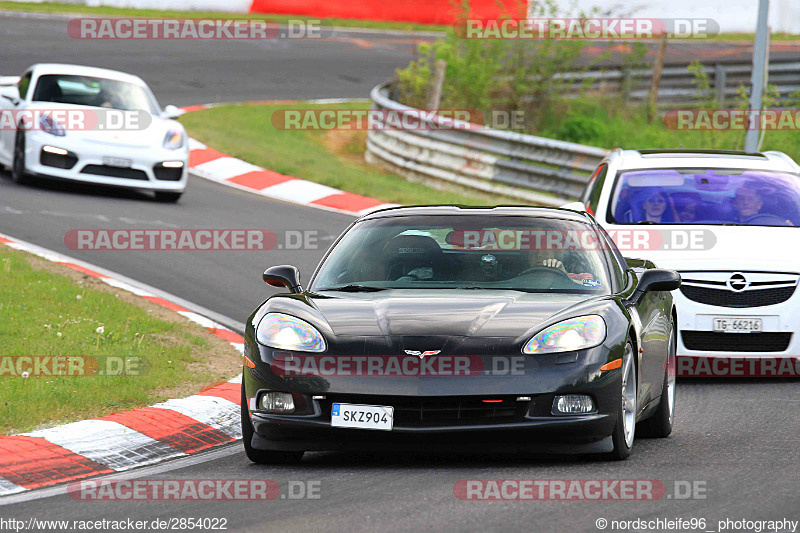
pixel 91 125
pixel 728 222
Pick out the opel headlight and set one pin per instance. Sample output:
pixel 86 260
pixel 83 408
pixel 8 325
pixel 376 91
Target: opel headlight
pixel 579 333
pixel 173 140
pixel 287 332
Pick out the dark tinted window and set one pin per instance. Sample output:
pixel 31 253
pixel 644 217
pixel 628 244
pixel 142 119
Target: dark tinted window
pixel 24 83
pixel 525 253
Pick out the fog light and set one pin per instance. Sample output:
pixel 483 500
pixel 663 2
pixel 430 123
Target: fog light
pixel 172 164
pixel 54 150
pixel 277 402
pixel 572 404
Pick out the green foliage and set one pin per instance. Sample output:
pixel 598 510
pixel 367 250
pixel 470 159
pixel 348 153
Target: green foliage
pixel 581 129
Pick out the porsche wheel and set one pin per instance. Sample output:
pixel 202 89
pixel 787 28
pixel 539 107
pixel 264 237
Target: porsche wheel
pixel 18 173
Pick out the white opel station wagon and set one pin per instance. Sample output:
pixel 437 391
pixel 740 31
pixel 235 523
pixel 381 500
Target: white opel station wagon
pixel 728 222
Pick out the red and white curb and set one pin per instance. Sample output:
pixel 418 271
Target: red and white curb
pixel 126 440
pixel 210 164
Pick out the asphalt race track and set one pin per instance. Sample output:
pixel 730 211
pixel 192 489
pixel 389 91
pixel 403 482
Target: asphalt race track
pixel 736 440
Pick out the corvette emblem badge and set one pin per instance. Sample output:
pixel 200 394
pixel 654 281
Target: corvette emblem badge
pixel 422 355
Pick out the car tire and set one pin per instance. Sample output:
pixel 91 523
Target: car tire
pixel 168 197
pixel 659 425
pixel 18 173
pixel 263 457
pixel 625 428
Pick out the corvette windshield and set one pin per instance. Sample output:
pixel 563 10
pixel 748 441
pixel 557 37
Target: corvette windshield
pixel 94 92
pixel 535 254
pixel 706 196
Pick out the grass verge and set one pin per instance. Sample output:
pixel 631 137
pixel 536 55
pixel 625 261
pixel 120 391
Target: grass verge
pixel 611 123
pixel 51 310
pixel 333 157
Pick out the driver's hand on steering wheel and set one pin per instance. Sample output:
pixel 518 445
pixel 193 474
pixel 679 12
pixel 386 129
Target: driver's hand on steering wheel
pixel 554 263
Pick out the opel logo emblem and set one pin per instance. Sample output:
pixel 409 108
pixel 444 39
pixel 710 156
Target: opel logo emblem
pixel 738 282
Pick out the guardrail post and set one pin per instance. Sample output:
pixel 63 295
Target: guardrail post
pixel 655 83
pixel 435 99
pixel 720 82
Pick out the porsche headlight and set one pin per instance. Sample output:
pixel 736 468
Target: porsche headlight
pixel 50 125
pixel 287 332
pixel 173 140
pixel 579 333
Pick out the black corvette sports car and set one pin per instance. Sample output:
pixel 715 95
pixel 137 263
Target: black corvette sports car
pixel 452 328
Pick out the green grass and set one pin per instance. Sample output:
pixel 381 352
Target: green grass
pixel 46 314
pixel 246 131
pixel 626 126
pixel 56 7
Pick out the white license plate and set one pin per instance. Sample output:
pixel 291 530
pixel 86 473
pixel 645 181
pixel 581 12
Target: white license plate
pixel 117 162
pixel 346 415
pixel 734 324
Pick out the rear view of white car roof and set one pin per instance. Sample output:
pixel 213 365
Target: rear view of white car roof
pixel 640 159
pixel 79 70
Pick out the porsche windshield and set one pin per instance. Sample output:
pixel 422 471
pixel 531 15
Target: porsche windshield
pixel 94 92
pixel 534 254
pixel 706 196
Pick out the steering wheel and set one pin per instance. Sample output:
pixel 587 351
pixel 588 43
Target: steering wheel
pixel 549 270
pixel 766 219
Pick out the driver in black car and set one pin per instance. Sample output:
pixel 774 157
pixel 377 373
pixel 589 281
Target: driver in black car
pixel 550 259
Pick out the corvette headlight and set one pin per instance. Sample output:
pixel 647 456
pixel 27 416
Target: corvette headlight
pixel 579 333
pixel 173 140
pixel 50 125
pixel 287 332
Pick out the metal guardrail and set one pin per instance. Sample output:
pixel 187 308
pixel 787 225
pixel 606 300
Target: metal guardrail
pixel 521 167
pixel 535 169
pixel 678 84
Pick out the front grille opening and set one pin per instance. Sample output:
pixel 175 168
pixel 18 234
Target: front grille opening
pixel 709 341
pixel 115 172
pixel 167 174
pixel 729 298
pixel 421 412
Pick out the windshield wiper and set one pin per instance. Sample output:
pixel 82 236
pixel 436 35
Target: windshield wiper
pixel 354 288
pixel 472 288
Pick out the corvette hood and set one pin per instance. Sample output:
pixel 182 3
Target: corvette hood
pixel 148 132
pixel 450 313
pixel 728 248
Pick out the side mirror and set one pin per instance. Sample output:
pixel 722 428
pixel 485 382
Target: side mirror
pixel 171 111
pixel 14 101
pixel 659 279
pixel 283 276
